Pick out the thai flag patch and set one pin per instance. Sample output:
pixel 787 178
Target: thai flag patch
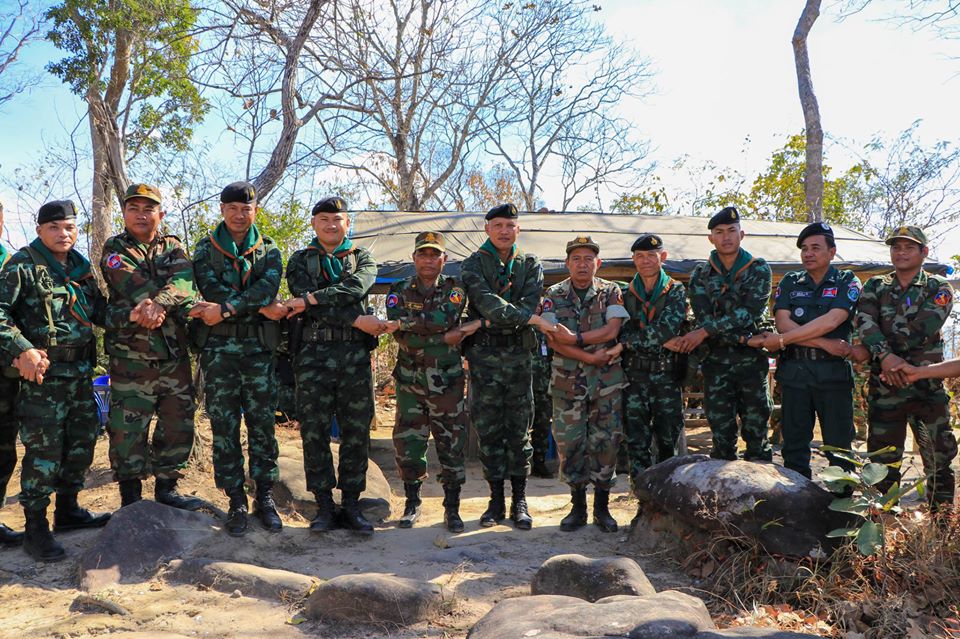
pixel 829 292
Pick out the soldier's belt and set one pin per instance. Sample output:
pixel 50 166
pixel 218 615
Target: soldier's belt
pixel 665 365
pixel 241 331
pixel 809 353
pixel 498 340
pixel 318 333
pixel 67 354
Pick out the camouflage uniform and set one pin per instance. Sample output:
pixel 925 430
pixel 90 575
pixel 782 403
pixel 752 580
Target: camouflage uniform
pixel 730 306
pixel 9 387
pixel 653 401
pixel 587 405
pixel 238 361
pixel 332 367
pixel 542 404
pixel 149 369
pixel 907 323
pixel 430 380
pixel 814 383
pixel 501 395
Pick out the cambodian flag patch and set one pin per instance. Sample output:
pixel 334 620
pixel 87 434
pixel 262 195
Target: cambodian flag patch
pixel 392 300
pixel 829 292
pixel 114 261
pixel 547 305
pixel 943 297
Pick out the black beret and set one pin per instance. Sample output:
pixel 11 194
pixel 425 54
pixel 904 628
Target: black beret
pixel 727 215
pixel 508 211
pixel 647 242
pixel 242 192
pixel 56 211
pixel 330 205
pixel 817 228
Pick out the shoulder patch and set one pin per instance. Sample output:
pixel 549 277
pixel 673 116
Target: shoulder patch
pixel 943 297
pixel 114 261
pixel 547 305
pixel 392 300
pixel 853 293
pixel 777 294
pixel 456 296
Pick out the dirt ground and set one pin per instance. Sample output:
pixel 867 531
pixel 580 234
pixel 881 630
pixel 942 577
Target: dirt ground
pixel 38 600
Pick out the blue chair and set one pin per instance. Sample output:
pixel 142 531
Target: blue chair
pixel 101 394
pixel 552 447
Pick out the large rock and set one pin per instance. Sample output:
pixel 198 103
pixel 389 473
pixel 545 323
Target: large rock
pixel 665 615
pixel 291 489
pixel 250 580
pixel 786 512
pixel 375 598
pixel 590 579
pixel 137 539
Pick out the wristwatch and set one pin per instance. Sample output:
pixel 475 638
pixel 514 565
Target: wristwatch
pixel 225 311
pixel 579 339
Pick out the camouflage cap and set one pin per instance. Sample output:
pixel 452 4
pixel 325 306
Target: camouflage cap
pixel 148 191
pixel 429 240
pixel 912 233
pixel 583 241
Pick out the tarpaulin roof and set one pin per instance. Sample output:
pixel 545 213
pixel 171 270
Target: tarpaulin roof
pixel 389 235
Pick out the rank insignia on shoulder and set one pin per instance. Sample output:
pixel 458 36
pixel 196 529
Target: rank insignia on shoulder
pixel 114 261
pixel 547 305
pixel 456 296
pixel 829 292
pixel 943 297
pixel 392 300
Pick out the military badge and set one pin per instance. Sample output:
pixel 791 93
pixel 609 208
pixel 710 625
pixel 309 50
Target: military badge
pixel 456 296
pixel 114 261
pixel 392 300
pixel 829 292
pixel 853 293
pixel 547 305
pixel 798 311
pixel 943 297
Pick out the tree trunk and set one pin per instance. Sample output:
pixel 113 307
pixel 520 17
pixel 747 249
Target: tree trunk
pixel 101 210
pixel 813 180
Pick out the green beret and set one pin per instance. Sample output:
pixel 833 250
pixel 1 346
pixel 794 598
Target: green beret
pixel 56 211
pixel 330 205
pixel 508 211
pixel 727 215
pixel 242 192
pixel 647 242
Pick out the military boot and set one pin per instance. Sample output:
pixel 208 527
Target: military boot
pixel 266 508
pixel 166 493
pixel 496 508
pixel 539 467
pixel 411 509
pixel 518 504
pixel 37 540
pixel 578 514
pixel 10 537
pixel 70 516
pixel 326 512
pixel 351 514
pixel 130 491
pixel 236 524
pixel 451 508
pixel 602 518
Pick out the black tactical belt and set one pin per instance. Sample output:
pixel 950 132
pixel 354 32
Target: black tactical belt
pixel 317 333
pixel 68 354
pixel 651 365
pixel 809 353
pixel 498 340
pixel 241 331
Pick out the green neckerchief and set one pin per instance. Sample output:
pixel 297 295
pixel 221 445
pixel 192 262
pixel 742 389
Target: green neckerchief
pixel 329 262
pixel 223 242
pixel 506 268
pixel 649 300
pixel 79 270
pixel 729 277
pixel 4 255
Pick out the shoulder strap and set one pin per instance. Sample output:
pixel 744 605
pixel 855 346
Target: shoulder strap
pixel 40 263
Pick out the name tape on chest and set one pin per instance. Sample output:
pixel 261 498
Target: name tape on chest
pixel 800 294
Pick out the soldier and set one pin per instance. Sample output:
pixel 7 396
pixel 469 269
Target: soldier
pixel 899 317
pixel 331 279
pixel 238 273
pixel 542 408
pixel 149 276
pixel 504 285
pixel 586 381
pixel 653 401
pixel 48 305
pixel 729 295
pixel 9 387
pixel 425 312
pixel 814 311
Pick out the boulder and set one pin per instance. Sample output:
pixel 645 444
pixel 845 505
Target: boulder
pixel 137 539
pixel 375 598
pixel 291 489
pixel 664 615
pixel 250 580
pixel 590 579
pixel 786 512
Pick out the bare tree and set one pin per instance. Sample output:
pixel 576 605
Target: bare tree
pixel 813 181
pixel 19 25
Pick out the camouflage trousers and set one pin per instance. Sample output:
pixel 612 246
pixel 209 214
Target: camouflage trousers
pixel 58 428
pixel 241 386
pixel 588 428
pixel 334 380
pixel 925 406
pixel 141 389
pixel 420 411
pixel 735 388
pixel 653 415
pixel 501 409
pixel 9 388
pixel 542 408
pixel 286 389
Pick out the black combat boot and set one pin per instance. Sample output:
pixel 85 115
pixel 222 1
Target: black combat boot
pixel 539 466
pixel 496 508
pixel 37 540
pixel 326 512
pixel 68 515
pixel 130 491
pixel 518 504
pixel 352 515
pixel 451 508
pixel 266 508
pixel 578 514
pixel 10 537
pixel 411 509
pixel 236 524
pixel 602 518
pixel 166 493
